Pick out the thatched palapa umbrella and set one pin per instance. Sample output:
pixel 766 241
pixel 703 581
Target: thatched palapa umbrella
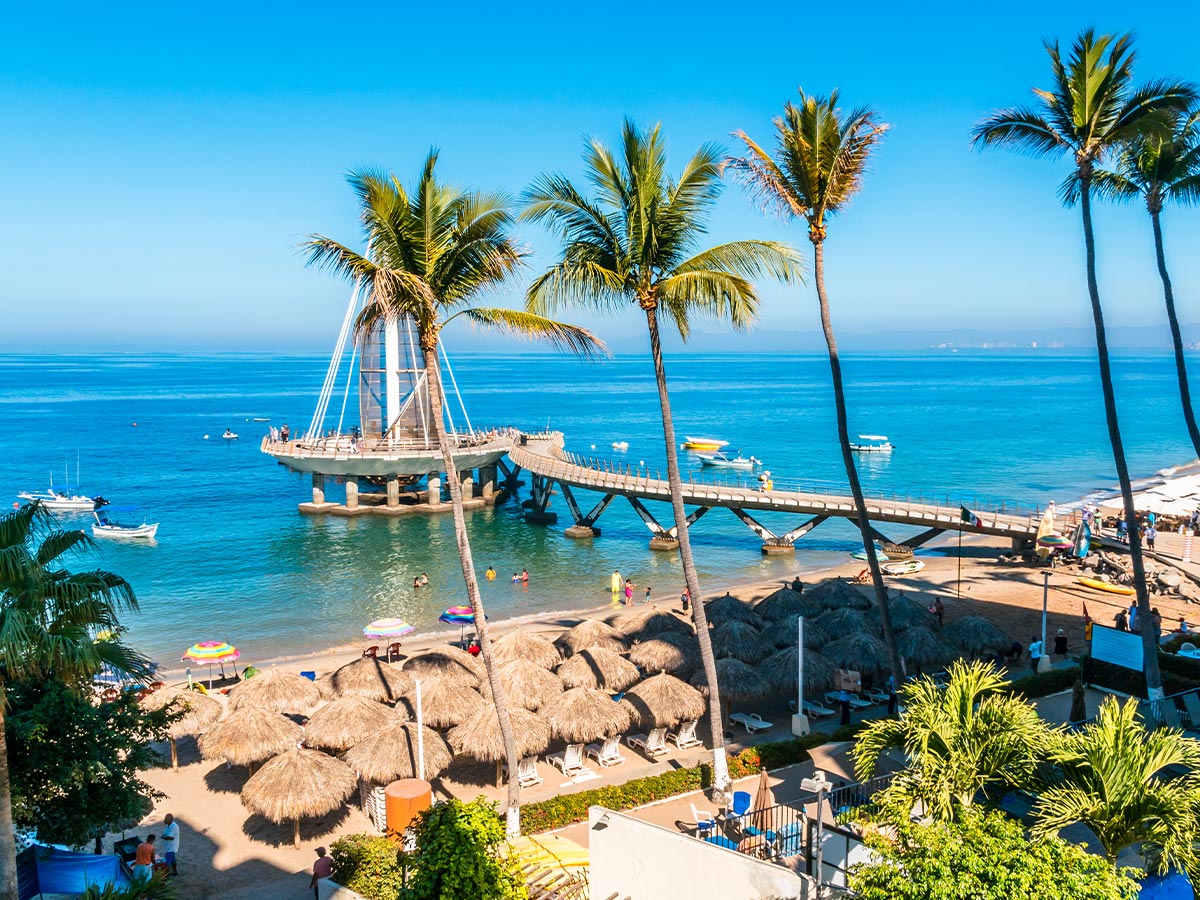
pixel 833 593
pixel 344 722
pixel 528 647
pixel 199 714
pixel 449 662
pixel 838 623
pixel 391 753
pixel 740 640
pixel 921 646
pixel 297 785
pixel 249 735
pixel 781 669
pixel 661 655
pixel 528 684
pixel 974 634
pixel 591 633
pixel 370 678
pixel 653 623
pixel 479 737
pixel 596 667
pixel 445 702
pixel 737 680
pixel 278 690
pixel 858 652
pixel 729 609
pixel 582 714
pixel 663 701
pixel 906 613
pixel 785 603
pixel 782 632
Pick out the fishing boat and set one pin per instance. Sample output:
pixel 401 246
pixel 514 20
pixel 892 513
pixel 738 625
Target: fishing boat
pixel 703 443
pixel 229 435
pixel 620 445
pixel 109 525
pixel 720 460
pixel 69 499
pixel 890 552
pixel 873 443
pixel 1097 585
pixel 906 567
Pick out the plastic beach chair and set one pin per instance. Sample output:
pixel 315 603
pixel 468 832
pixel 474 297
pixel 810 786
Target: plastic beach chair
pixel 705 821
pixel 371 652
pixel 1191 702
pixel 608 753
pixel 569 761
pixel 393 651
pixel 652 744
pixel 686 735
pixel 527 773
pixel 752 722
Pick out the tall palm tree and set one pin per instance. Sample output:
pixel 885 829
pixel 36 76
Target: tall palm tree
pixel 1159 163
pixel 961 739
pixel 49 619
pixel 1090 109
pixel 431 253
pixel 820 158
pixel 636 242
pixel 1111 777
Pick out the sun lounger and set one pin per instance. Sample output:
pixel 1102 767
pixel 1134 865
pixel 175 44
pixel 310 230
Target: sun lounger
pixel 876 696
pixel 569 761
pixel 686 735
pixel 815 710
pixel 752 722
pixel 1191 702
pixel 527 773
pixel 705 821
pixel 652 744
pixel 608 753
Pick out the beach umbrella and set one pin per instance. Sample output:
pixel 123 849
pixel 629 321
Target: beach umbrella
pixel 1046 529
pixel 199 714
pixel 382 629
pixel 449 662
pixel 740 640
pixel 582 714
pixel 392 752
pixel 591 633
pixel 653 623
pixel 279 690
pixel 833 593
pixel 596 667
pixel 663 701
pixel 211 653
pixel 860 652
pixel 729 609
pixel 780 669
pixel 249 735
pixel 737 680
pixel 445 701
pixel 906 613
pixel 1078 703
pixel 525 646
pixel 662 655
pixel 298 784
pixel 458 615
pixel 782 632
pixel 838 623
pixel 764 799
pixel 974 634
pixel 528 684
pixel 785 603
pixel 342 723
pixel 367 677
pixel 921 646
pixel 479 736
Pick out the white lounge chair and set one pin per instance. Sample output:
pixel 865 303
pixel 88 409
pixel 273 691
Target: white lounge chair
pixel 752 722
pixel 876 696
pixel 570 761
pixel 856 702
pixel 705 821
pixel 527 773
pixel 652 744
pixel 815 710
pixel 686 735
pixel 608 753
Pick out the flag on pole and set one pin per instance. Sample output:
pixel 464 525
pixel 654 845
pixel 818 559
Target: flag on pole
pixel 968 516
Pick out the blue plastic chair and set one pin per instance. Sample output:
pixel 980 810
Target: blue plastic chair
pixel 741 803
pixel 311 676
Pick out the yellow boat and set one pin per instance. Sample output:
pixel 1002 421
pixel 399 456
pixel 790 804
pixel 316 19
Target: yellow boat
pixel 1097 585
pixel 703 443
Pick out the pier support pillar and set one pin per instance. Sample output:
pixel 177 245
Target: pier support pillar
pixel 582 532
pixel 351 494
pixel 318 487
pixel 393 492
pixel 664 542
pixel 435 490
pixel 468 484
pixel 540 517
pixel 487 481
pixel 770 548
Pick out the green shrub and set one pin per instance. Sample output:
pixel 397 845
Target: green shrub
pixel 458 855
pixel 368 864
pixel 1178 673
pixel 1044 683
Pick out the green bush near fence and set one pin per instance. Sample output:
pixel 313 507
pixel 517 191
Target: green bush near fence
pixel 1179 673
pixel 368 864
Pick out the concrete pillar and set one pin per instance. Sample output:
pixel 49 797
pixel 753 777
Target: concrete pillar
pixel 664 542
pixel 351 494
pixel 435 489
pixel 318 481
pixel 770 549
pixel 468 484
pixel 582 532
pixel 487 479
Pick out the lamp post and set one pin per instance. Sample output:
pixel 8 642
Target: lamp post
pixel 818 784
pixel 800 720
pixel 420 735
pixel 1045 603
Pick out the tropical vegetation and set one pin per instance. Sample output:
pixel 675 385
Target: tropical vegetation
pixel 460 855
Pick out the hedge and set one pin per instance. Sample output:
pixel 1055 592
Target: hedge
pixel 1044 683
pixel 368 864
pixel 1179 674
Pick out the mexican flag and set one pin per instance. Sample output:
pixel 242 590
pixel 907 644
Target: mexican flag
pixel 968 516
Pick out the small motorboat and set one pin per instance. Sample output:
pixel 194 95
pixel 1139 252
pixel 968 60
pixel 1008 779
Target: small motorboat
pixel 703 443
pixel 61 501
pixel 720 460
pixel 906 567
pixel 229 435
pixel 620 445
pixel 109 525
pixel 873 443
pixel 262 418
pixel 888 552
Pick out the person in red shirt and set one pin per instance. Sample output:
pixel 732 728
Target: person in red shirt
pixel 322 868
pixel 143 861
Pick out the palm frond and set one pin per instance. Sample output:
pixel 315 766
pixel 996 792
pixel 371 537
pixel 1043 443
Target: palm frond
pixel 568 338
pixel 1023 130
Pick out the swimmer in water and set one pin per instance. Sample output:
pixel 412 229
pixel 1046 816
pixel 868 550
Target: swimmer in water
pixel 491 574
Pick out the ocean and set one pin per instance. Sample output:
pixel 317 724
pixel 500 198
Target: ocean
pixel 235 560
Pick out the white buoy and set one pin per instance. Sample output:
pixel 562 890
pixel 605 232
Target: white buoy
pixel 593 446
pixel 206 437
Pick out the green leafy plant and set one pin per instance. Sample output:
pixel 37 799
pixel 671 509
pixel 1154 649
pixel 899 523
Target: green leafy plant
pixel 460 855
pixel 368 864
pixel 158 887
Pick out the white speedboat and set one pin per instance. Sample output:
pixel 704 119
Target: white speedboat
pixel 229 435
pixel 620 445
pixel 907 567
pixel 873 443
pixel 61 501
pixel 109 525
pixel 720 460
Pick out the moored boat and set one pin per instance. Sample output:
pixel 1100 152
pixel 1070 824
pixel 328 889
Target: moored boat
pixel 890 552
pixel 873 443
pixel 61 501
pixel 703 443
pixel 620 445
pixel 906 567
pixel 109 525
pixel 720 460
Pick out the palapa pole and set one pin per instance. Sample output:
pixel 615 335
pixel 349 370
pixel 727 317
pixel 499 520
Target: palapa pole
pixel 420 735
pixel 1045 603
pixel 959 583
pixel 800 664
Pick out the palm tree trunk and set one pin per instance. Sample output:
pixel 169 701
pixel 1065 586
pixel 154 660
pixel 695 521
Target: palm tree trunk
pixel 1185 393
pixel 1154 688
pixel 715 719
pixel 864 525
pixel 8 841
pixel 436 403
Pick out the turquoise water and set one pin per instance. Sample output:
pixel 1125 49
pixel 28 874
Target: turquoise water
pixel 235 561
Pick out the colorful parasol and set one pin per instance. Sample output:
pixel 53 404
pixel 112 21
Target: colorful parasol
pixel 1055 542
pixel 387 628
pixel 211 653
pixel 458 615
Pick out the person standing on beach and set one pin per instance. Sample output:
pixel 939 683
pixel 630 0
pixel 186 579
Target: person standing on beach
pixel 1035 653
pixel 647 593
pixel 1133 617
pixel 143 860
pixel 939 610
pixel 1060 644
pixel 1151 534
pixel 322 868
pixel 170 836
pixel 893 697
pixel 686 599
pixel 616 583
pixel 628 592
pixel 1121 621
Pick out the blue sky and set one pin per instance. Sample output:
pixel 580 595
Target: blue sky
pixel 160 162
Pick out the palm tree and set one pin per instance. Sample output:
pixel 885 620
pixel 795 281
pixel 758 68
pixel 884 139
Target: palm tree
pixel 820 158
pixel 49 619
pixel 636 243
pixel 1110 776
pixel 961 739
pixel 1091 108
pixel 1159 163
pixel 430 254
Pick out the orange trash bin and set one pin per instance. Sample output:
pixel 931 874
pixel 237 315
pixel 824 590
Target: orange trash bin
pixel 404 800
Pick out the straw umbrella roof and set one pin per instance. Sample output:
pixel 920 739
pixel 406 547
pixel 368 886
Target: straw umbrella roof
pixel 860 652
pixel 479 736
pixel 279 690
pixel 781 669
pixel 974 634
pixel 199 712
pixel 652 623
pixel 659 655
pixel 370 678
pixel 782 632
pixel 663 701
pixel 596 667
pixel 347 721
pixel 526 646
pixel 445 701
pixel 737 680
pixel 836 592
pixel 785 603
pixel 250 735
pixel 729 608
pixel 582 714
pixel 740 640
pixel 298 784
pixel 838 623
pixel 591 633
pixel 391 753
pixel 906 613
pixel 528 684
pixel 921 646
pixel 448 661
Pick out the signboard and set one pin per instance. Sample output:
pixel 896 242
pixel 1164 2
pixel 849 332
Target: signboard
pixel 847 680
pixel 1121 648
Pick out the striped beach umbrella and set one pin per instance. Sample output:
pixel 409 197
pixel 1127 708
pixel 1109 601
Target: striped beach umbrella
pixel 211 653
pixel 458 615
pixel 387 628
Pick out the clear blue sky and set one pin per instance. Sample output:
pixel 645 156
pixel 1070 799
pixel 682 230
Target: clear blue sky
pixel 158 163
